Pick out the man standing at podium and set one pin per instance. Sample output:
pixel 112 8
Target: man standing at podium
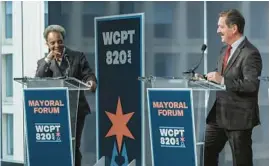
pixel 235 112
pixel 62 61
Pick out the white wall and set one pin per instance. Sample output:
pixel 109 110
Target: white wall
pixel 27 48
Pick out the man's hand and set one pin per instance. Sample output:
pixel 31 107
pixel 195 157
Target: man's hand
pixel 215 77
pixel 54 55
pixel 92 85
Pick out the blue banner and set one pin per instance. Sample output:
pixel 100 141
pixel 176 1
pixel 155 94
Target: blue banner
pixel 48 127
pixel 172 127
pixel 119 105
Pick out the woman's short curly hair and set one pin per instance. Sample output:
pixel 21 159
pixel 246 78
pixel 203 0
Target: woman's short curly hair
pixel 54 28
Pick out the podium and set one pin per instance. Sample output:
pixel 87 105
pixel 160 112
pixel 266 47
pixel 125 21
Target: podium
pixel 177 111
pixel 50 114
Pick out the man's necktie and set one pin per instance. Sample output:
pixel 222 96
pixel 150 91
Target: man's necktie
pixel 226 57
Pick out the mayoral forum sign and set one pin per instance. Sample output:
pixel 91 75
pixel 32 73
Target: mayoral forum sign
pixel 171 127
pixel 48 127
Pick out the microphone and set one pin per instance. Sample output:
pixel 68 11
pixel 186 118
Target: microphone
pixel 68 67
pixel 192 70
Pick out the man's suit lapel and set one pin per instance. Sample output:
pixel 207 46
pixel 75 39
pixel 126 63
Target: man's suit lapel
pixel 231 61
pixel 64 65
pixel 220 64
pixel 235 56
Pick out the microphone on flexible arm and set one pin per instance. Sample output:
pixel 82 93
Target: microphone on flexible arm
pixel 192 70
pixel 68 67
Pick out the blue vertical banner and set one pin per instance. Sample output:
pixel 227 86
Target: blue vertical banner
pixel 119 55
pixel 47 123
pixel 172 127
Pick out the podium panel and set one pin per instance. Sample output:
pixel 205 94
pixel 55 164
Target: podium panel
pixel 46 115
pixel 47 124
pixel 172 126
pixel 177 91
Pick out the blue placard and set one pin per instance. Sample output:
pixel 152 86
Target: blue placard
pixel 48 127
pixel 119 105
pixel 172 127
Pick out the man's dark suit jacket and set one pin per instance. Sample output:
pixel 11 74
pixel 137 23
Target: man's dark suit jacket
pixel 79 68
pixel 237 107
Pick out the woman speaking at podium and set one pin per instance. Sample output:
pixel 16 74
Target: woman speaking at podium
pixel 62 61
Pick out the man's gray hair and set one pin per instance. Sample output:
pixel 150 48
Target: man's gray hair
pixel 54 28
